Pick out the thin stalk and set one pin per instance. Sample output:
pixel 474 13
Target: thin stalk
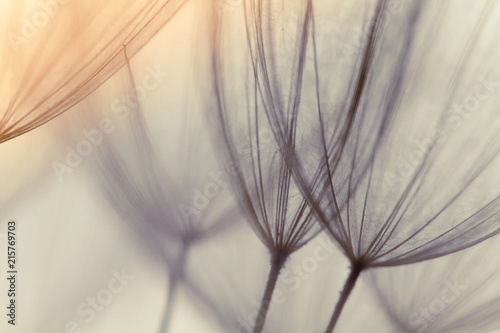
pixel 277 262
pixel 175 275
pixel 344 295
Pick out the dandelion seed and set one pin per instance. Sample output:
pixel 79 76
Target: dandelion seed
pixel 172 197
pixel 56 53
pixel 458 294
pixel 341 161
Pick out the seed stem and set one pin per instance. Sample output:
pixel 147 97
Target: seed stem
pixel 277 261
pixel 175 275
pixel 344 295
